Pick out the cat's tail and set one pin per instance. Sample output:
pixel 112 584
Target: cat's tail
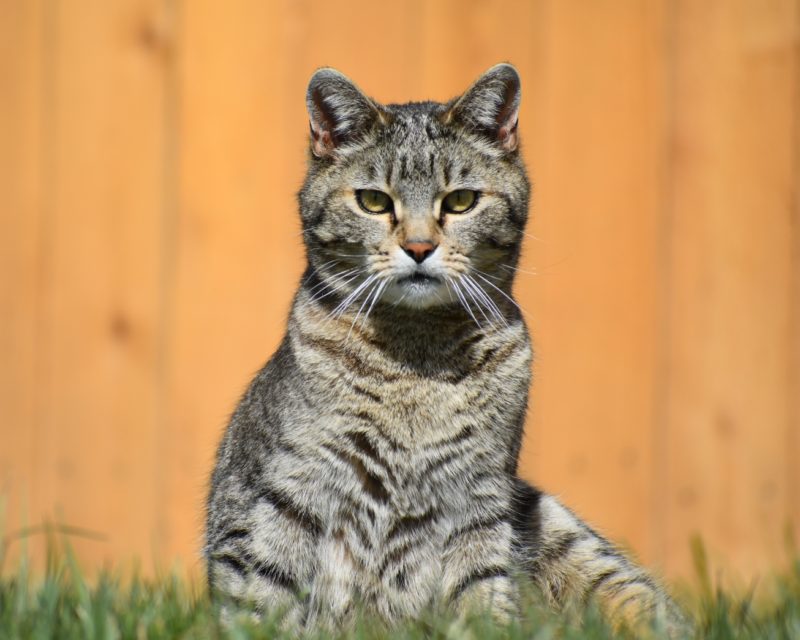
pixel 573 565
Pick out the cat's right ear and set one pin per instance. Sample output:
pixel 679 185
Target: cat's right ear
pixel 491 106
pixel 338 111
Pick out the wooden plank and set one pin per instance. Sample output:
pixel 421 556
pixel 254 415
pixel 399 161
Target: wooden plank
pixel 238 248
pixel 793 401
pixel 596 153
pixel 244 131
pixel 96 451
pixel 734 179
pixel 487 33
pixel 21 229
pixel 235 160
pixel 87 164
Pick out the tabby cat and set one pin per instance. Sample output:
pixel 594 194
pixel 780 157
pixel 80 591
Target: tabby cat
pixel 372 462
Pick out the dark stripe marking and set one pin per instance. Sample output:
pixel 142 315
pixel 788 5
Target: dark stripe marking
pixel 334 350
pixel 352 513
pixel 363 444
pixel 400 580
pixel 599 580
pixel 231 561
pixel 275 575
pixel 409 524
pixel 461 436
pixel 526 515
pixel 651 606
pixel 434 465
pixel 558 550
pixel 366 392
pixel 230 535
pixel 617 587
pixel 372 484
pixel 294 512
pixel 487 573
pixel 475 525
pixel 397 554
pixel 404 168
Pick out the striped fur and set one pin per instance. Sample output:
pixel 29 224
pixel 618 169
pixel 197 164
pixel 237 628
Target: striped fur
pixel 372 462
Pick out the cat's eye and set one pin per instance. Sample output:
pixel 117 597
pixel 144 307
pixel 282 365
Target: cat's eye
pixel 374 201
pixel 459 201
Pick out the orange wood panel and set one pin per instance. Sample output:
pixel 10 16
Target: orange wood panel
pixel 238 251
pixel 734 190
pixel 96 463
pixel 593 90
pixel 793 399
pixel 244 70
pixel 21 227
pixel 150 152
pixel 596 146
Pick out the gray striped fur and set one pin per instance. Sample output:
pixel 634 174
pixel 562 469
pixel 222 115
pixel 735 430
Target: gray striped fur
pixel 372 461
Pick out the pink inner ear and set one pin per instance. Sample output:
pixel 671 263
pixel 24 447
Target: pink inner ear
pixel 507 133
pixel 321 141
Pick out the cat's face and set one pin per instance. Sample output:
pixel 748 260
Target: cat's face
pixel 420 204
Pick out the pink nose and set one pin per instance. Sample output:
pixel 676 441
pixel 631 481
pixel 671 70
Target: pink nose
pixel 419 250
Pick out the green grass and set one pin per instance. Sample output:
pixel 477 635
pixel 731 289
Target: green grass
pixel 61 603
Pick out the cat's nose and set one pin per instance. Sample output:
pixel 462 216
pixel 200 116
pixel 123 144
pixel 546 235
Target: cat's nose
pixel 419 249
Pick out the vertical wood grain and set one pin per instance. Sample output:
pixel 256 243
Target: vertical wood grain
pixel 592 298
pixel 150 152
pixel 96 454
pixel 22 108
pixel 244 70
pixel 238 249
pixel 734 181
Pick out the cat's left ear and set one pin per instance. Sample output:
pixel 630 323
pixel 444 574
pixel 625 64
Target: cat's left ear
pixel 339 112
pixel 491 106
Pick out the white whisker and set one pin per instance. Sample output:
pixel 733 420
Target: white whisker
pixel 519 270
pixel 488 275
pixel 380 287
pixel 503 293
pixel 468 289
pixel 361 308
pixel 333 287
pixel 490 304
pixel 464 303
pixel 342 307
pixel 323 282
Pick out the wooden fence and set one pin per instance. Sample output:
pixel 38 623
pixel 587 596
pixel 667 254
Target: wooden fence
pixel 150 151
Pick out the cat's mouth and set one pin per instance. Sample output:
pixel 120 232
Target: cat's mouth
pixel 419 278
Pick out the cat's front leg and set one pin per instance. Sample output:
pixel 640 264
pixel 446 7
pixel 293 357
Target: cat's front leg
pixel 478 568
pixel 261 551
pixel 246 585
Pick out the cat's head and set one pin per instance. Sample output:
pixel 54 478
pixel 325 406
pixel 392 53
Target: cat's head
pixel 418 204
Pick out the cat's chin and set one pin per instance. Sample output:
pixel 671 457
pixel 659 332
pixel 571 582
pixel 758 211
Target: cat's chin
pixel 418 293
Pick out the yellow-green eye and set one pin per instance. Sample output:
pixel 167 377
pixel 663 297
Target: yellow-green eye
pixel 373 201
pixel 459 201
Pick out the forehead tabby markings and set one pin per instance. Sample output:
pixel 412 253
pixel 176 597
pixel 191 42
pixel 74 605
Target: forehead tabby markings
pixel 404 174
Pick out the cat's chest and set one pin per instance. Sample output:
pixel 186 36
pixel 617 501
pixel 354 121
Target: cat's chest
pixel 388 516
pixel 419 395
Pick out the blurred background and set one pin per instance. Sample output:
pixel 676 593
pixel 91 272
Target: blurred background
pixel 150 152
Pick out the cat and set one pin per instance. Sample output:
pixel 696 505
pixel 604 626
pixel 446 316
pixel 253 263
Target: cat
pixel 372 463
